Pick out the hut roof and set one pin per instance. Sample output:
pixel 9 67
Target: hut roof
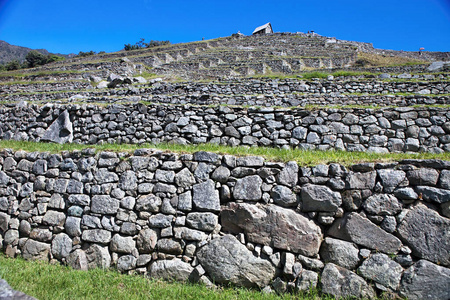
pixel 262 27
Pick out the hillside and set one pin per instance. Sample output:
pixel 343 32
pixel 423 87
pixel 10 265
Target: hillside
pixel 10 52
pixel 283 162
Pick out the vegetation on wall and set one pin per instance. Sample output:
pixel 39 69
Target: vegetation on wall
pixel 142 44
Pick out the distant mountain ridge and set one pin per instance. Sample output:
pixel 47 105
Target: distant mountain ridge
pixel 10 52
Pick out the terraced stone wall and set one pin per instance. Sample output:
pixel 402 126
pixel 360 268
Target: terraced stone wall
pixel 403 129
pixel 250 87
pixel 365 229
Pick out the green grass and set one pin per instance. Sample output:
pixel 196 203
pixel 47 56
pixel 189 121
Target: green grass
pixel 272 154
pixel 44 281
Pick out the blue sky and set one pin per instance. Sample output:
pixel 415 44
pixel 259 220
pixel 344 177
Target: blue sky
pixel 63 26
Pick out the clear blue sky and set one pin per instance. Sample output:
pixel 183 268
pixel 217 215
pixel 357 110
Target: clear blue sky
pixel 79 25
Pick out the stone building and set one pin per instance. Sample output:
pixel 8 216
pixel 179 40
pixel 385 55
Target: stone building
pixel 264 29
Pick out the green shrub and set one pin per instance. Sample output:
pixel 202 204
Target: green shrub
pixel 13 65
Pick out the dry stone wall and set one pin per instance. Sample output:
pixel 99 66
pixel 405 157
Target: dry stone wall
pixel 364 229
pixel 402 129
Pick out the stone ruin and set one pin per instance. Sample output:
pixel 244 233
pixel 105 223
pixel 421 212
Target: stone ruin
pixel 352 231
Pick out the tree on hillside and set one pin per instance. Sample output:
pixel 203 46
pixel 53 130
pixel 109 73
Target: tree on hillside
pixel 35 58
pixel 142 44
pixel 13 65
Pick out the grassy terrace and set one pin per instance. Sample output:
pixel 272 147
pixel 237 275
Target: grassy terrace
pixel 45 281
pixel 303 158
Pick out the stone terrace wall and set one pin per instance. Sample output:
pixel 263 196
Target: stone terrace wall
pixel 380 130
pixel 316 86
pixel 234 220
pixel 249 87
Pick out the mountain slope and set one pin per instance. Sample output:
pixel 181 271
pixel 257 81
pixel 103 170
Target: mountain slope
pixel 10 52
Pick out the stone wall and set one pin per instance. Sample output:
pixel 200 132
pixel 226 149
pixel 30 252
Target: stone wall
pixel 427 85
pixel 364 229
pixel 407 129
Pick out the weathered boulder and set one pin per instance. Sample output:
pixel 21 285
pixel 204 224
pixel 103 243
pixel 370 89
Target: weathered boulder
pixel 122 244
pixel 206 197
pixel 174 269
pixel 427 234
pixel 202 221
pixel 169 246
pixel 7 292
pixel 360 230
pixel 77 260
pixel 361 181
pixel 341 282
pixel 382 204
pixel 126 263
pixel 61 130
pixel 283 196
pixel 146 240
pixel 96 236
pixel 104 204
pixel 35 250
pixel 248 188
pixel 319 198
pixel 128 181
pixel 425 280
pixel 98 257
pixel 61 245
pixel 54 218
pixel 381 269
pixel 390 179
pixel 227 261
pixel 341 253
pixel 289 175
pixel 307 280
pixel 274 226
pixel 433 194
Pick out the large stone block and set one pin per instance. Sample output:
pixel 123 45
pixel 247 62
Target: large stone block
pixel 174 269
pixel 248 188
pixel 60 131
pixel 427 234
pixel 355 228
pixel 98 257
pixel 206 197
pixel 274 226
pixel 425 280
pixel 35 250
pixel 105 205
pixel 341 282
pixel 381 269
pixel 319 198
pixel 227 261
pixel 361 181
pixel 341 253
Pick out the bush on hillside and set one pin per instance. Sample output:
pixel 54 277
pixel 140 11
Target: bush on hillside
pixel 142 44
pixel 13 65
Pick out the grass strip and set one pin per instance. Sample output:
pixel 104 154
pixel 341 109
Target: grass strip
pixel 45 281
pixel 302 157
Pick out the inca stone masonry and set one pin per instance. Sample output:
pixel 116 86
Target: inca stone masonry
pixel 207 218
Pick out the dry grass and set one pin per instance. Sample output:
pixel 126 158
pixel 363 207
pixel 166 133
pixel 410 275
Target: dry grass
pixel 377 60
